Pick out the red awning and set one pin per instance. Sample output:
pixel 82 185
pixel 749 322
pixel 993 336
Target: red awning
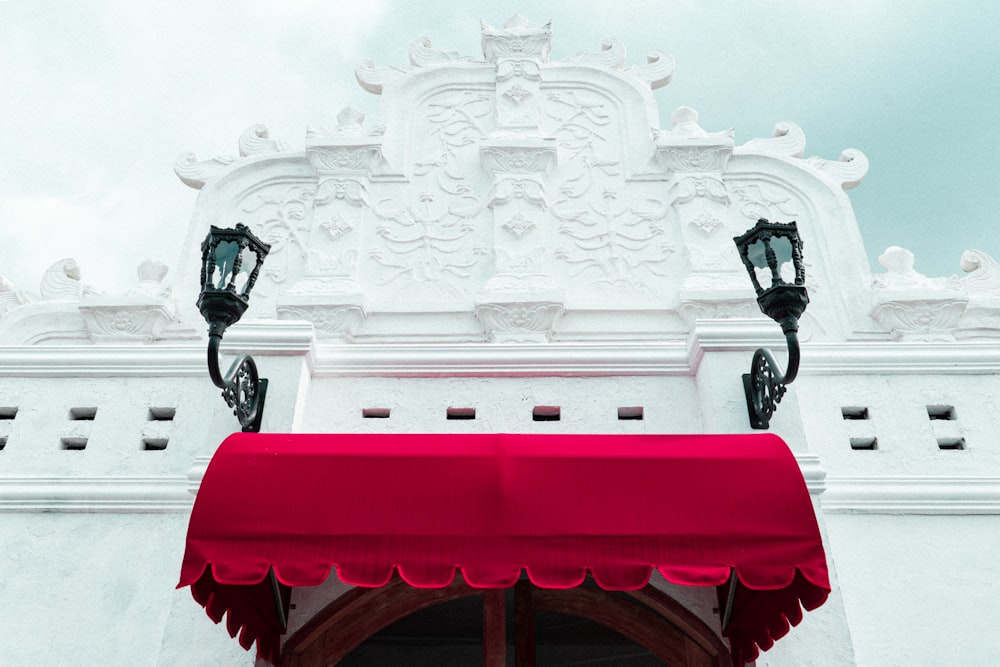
pixel 557 506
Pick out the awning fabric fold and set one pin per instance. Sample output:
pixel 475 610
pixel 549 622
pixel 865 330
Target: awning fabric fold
pixel 555 506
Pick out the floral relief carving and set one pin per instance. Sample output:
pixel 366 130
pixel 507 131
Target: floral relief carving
pixel 344 158
pixel 689 188
pixel 517 322
pixel 528 190
pixel 349 190
pixel 577 120
pixel 912 306
pixel 614 239
pixel 457 122
pixel 280 217
pixel 330 320
pixel 521 160
pixel 427 242
pixel 757 202
pixel 516 39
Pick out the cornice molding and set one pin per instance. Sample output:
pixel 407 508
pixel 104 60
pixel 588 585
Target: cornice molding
pixel 500 360
pixel 651 358
pixel 813 473
pixel 911 495
pixel 95 494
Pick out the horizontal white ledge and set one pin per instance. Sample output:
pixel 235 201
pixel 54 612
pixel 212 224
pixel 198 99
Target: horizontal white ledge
pixel 95 494
pixel 912 495
pixel 665 358
pixel 501 360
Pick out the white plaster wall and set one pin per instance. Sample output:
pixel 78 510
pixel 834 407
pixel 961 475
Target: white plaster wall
pixel 83 589
pixel 588 405
pixel 919 590
pixel 898 419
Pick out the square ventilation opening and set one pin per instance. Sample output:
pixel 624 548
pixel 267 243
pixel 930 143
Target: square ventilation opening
pixel 461 413
pixel 375 413
pixel 949 444
pixel 154 444
pixel 630 413
pixel 161 414
pixel 83 414
pixel 941 412
pixel 864 444
pixel 854 412
pixel 546 413
pixel 74 443
pixel 8 413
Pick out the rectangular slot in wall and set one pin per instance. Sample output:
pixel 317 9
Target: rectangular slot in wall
pixel 375 413
pixel 154 444
pixel 83 414
pixel 853 412
pixel 864 444
pixel 546 413
pixel 8 413
pixel 461 413
pixel 3 442
pixel 942 412
pixel 161 414
pixel 949 444
pixel 74 443
pixel 633 412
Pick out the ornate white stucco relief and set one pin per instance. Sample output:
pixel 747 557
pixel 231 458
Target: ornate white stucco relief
pixel 912 306
pixel 66 309
pixel 981 318
pixel 514 183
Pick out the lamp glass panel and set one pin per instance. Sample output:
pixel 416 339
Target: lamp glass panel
pixel 757 254
pixel 225 261
pixel 246 268
pixel 782 247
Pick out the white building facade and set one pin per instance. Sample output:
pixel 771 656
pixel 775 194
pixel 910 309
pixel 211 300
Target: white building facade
pixel 513 246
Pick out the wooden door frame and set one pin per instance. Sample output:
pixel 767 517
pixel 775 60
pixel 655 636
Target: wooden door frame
pixel 649 617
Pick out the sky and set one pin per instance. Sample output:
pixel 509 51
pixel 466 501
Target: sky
pixel 98 98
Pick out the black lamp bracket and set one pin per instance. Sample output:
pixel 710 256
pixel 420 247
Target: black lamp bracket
pixel 242 387
pixel 765 384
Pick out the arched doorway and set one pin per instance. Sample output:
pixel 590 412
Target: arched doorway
pixel 521 627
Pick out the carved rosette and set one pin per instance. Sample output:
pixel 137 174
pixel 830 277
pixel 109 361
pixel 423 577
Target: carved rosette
pixel 115 320
pixel 519 321
pixel 911 318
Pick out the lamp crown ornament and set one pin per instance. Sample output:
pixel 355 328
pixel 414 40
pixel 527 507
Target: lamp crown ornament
pixel 231 260
pixel 772 251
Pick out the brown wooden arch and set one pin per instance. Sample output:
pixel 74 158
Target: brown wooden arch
pixel 649 617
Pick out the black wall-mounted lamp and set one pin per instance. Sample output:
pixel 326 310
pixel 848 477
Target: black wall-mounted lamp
pixel 230 262
pixel 766 251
